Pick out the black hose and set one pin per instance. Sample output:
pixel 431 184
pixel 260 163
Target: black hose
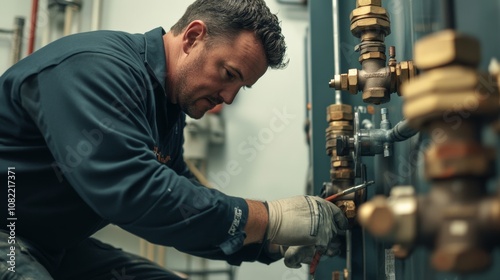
pixel 402 131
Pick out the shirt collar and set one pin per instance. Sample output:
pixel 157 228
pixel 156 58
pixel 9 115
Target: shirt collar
pixel 154 56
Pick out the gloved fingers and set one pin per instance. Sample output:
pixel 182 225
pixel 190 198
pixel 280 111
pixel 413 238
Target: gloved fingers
pixel 295 256
pixel 334 248
pixel 340 219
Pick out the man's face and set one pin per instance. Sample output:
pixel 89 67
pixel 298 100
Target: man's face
pixel 210 76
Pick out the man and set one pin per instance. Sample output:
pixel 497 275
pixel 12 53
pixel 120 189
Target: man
pixel 91 134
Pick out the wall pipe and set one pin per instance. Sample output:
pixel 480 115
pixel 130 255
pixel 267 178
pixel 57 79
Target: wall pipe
pixel 17 40
pixel 401 132
pixel 95 23
pixel 336 46
pixel 34 17
pixel 69 11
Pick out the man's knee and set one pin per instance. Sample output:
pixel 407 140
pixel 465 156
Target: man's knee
pixel 16 262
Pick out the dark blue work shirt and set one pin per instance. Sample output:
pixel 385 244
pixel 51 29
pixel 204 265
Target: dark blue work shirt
pixel 87 126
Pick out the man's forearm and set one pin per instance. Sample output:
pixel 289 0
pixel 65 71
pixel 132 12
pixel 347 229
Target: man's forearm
pixel 257 222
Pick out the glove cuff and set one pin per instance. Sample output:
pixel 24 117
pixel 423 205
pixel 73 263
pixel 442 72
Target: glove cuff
pixel 267 226
pixel 264 242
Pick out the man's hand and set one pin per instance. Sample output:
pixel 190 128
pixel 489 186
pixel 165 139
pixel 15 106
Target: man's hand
pixel 297 255
pixel 307 224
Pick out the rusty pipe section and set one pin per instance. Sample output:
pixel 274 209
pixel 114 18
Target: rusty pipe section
pixel 451 102
pixel 370 22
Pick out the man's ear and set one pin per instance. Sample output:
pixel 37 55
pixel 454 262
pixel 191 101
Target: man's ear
pixel 194 33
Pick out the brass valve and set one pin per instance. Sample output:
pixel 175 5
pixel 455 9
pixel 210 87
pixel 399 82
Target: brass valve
pixel 457 218
pixel 370 23
pixel 393 218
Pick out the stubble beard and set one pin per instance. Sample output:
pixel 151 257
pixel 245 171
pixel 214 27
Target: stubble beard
pixel 185 97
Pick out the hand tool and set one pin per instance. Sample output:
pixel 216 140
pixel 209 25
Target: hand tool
pixel 333 198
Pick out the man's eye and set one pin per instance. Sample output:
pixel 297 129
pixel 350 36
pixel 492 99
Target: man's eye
pixel 229 75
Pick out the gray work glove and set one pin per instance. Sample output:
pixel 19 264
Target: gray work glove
pixel 305 224
pixel 296 255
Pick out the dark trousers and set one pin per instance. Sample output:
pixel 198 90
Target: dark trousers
pixel 90 260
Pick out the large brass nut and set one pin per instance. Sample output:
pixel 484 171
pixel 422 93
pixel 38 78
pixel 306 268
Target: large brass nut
pixel 435 105
pixel 405 71
pixel 341 127
pixel 373 23
pixel 404 75
pixel 372 55
pixel 366 11
pixel 446 79
pixel 376 216
pixel 340 108
pixel 338 116
pixel 344 82
pixel 361 3
pixel 446 91
pixel 446 47
pixel 352 77
pixel 403 203
pixel 376 95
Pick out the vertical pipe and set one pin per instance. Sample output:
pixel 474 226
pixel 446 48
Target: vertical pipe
pixel 348 253
pixel 95 23
pixel 34 16
pixel 68 19
pixel 336 46
pixel 363 234
pixel 17 40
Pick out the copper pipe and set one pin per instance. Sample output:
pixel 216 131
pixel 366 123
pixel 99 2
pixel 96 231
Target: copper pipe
pixel 34 16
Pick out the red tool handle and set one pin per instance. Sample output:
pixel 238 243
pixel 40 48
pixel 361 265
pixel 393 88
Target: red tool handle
pixel 314 263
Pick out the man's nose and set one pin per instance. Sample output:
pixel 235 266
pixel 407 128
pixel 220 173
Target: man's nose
pixel 228 95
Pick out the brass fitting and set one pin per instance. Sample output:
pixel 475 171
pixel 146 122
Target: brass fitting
pixel 445 48
pixel 370 18
pixel 371 23
pixel 362 3
pixel 393 218
pixel 450 85
pixel 340 120
pixel 348 207
pixel 461 221
pixel 377 216
pixel 372 55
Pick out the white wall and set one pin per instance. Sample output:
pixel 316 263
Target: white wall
pixel 10 9
pixel 273 168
